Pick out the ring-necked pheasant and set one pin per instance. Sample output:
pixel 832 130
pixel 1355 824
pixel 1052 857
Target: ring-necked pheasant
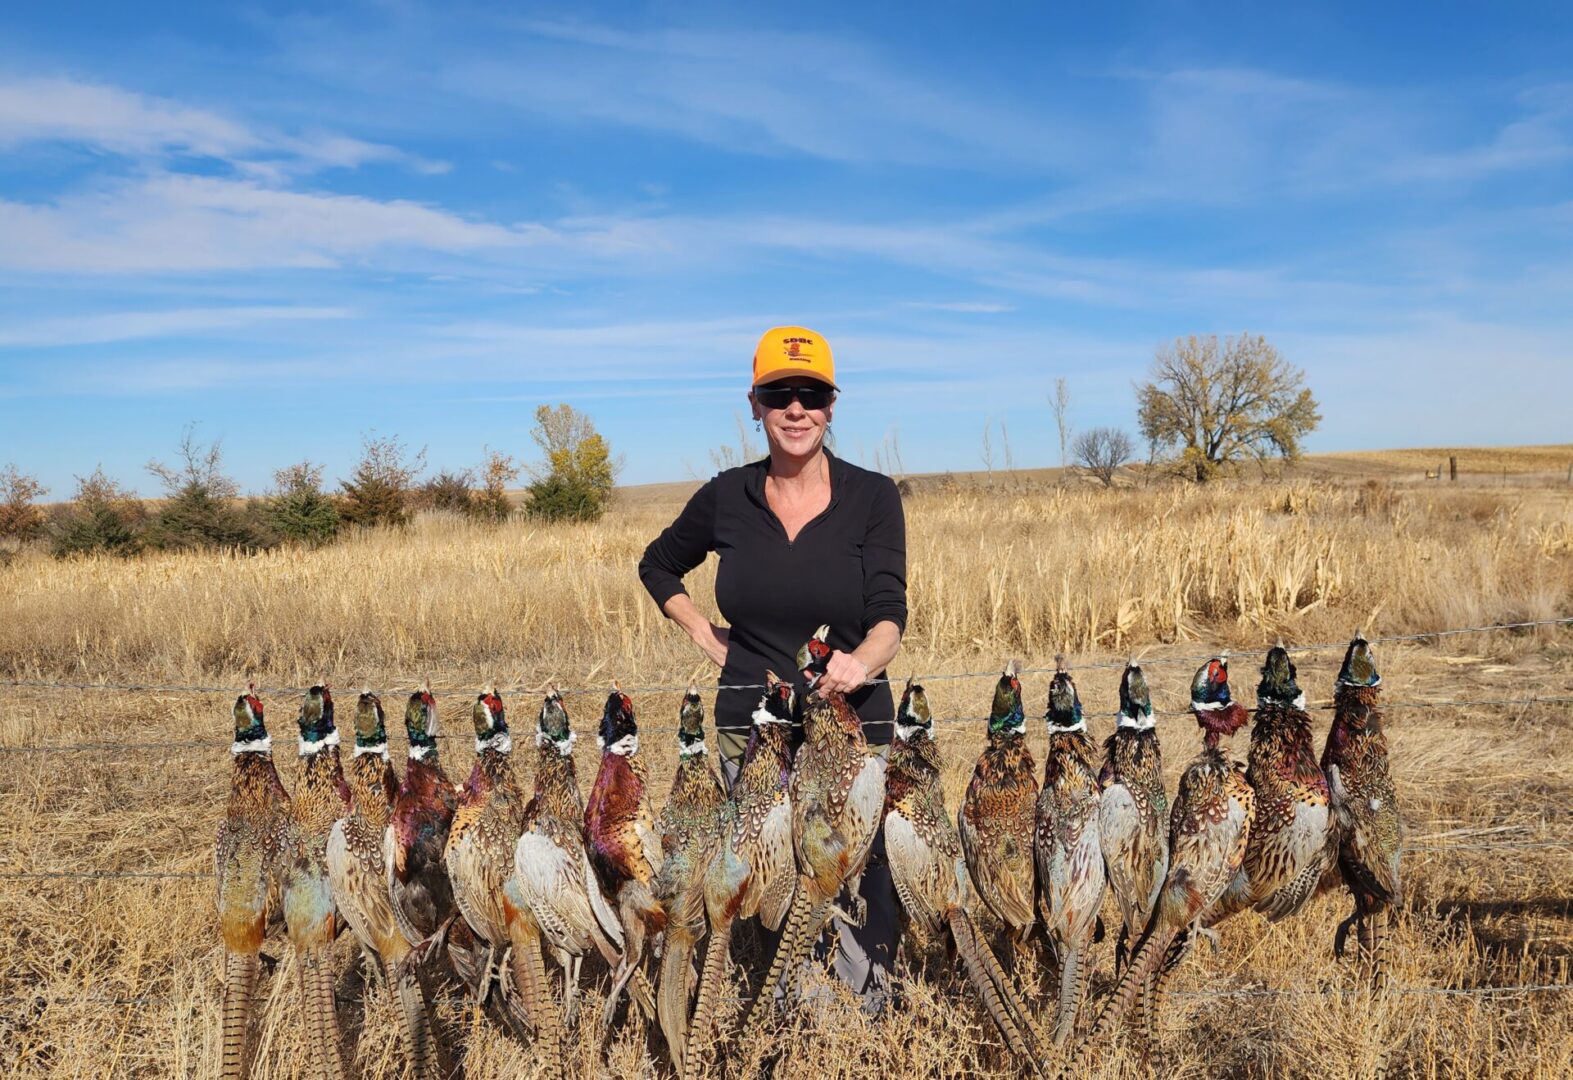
pixel 1355 761
pixel 690 827
pixel 930 873
pixel 246 862
pixel 417 834
pixel 1293 838
pixel 479 856
pixel 310 917
pixel 359 877
pixel 552 898
pixel 1209 827
pixel 1133 813
pixel 1070 858
pixel 754 871
pixel 998 816
pixel 625 846
pixel 838 800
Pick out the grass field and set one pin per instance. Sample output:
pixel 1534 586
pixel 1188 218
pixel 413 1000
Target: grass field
pixel 121 977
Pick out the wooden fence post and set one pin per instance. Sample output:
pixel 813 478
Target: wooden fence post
pixel 1452 468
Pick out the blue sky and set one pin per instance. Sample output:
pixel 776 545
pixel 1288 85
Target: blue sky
pixel 295 224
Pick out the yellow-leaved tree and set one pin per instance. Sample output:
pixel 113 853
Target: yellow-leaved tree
pixel 575 482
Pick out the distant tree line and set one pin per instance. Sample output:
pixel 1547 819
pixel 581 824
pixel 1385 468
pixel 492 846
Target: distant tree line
pixel 202 507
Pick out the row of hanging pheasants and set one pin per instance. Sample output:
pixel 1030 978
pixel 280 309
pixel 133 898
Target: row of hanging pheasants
pixel 482 880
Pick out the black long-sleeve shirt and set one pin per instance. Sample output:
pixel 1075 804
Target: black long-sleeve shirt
pixel 847 568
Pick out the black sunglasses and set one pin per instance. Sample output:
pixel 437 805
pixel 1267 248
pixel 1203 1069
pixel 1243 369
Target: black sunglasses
pixel 779 397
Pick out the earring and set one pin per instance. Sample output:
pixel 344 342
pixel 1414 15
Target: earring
pixel 758 426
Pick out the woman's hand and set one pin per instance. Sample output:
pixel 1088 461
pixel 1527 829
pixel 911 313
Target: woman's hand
pixel 712 641
pixel 844 673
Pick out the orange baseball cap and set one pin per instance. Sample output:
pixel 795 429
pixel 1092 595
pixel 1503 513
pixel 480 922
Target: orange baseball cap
pixel 785 351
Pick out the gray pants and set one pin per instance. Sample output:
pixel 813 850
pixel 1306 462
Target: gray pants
pixel 864 955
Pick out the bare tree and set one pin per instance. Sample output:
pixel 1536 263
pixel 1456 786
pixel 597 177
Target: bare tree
pixel 20 516
pixel 988 448
pixel 1101 451
pixel 1220 402
pixel 1061 404
pixel 200 468
pixel 727 456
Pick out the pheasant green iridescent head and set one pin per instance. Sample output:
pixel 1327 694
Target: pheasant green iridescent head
pixel 691 724
pixel 1278 686
pixel 814 656
pixel 1135 701
pixel 1064 705
pixel 371 732
pixel 1007 715
pixel 619 729
pixel 551 726
pixel 1210 687
pixel 420 723
pixel 251 735
pixel 491 723
pixel 1359 668
pixel 912 715
pixel 316 721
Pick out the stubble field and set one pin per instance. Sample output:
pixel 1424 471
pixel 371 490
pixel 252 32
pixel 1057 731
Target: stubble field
pixel 120 976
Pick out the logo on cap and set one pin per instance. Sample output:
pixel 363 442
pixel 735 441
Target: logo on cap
pixel 792 349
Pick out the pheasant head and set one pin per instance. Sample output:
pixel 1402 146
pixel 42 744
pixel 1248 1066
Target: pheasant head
pixel 691 724
pixel 1007 715
pixel 420 723
pixel 1215 710
pixel 778 703
pixel 251 734
pixel 1359 667
pixel 814 656
pixel 1135 701
pixel 619 729
pixel 491 723
pixel 316 721
pixel 551 726
pixel 1278 686
pixel 913 716
pixel 371 732
pixel 1064 705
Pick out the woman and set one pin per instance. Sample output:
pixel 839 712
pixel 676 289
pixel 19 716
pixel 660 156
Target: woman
pixel 803 539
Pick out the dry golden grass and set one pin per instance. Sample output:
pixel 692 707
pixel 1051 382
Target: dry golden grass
pixel 992 574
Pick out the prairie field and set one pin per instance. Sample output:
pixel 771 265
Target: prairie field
pixel 121 976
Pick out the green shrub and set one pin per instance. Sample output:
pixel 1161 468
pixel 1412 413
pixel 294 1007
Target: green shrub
pixel 450 491
pixel 577 481
pixel 100 517
pixel 299 511
pixel 378 491
pixel 200 508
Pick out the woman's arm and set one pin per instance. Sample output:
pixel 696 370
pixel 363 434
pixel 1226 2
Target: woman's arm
pixel 884 594
pixel 682 546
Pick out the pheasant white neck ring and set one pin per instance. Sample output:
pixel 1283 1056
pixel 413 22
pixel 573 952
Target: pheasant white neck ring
pixel 905 732
pixel 693 749
pixel 309 747
pixel 501 742
pixel 420 753
pixel 1137 722
pixel 563 746
pixel 628 744
pixel 263 745
pixel 1079 725
pixel 763 715
pixel 381 749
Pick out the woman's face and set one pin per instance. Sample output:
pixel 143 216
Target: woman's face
pixel 790 427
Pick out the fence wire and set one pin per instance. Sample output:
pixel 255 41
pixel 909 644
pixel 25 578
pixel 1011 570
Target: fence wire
pixel 170 688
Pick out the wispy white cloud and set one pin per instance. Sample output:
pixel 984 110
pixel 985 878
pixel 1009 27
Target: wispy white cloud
pixel 105 327
pixel 119 121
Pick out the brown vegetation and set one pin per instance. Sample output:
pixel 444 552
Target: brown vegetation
pixel 121 977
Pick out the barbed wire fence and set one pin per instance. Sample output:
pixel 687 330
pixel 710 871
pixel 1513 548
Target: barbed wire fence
pixel 51 1000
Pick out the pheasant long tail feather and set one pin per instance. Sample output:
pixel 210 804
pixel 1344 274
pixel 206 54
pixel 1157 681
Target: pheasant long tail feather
pixel 672 999
pixel 416 1018
pixel 1381 923
pixel 1154 989
pixel 996 992
pixel 790 963
pixel 641 993
pixel 1073 987
pixel 316 990
pixel 529 979
pixel 1144 964
pixel 240 982
pixel 716 956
